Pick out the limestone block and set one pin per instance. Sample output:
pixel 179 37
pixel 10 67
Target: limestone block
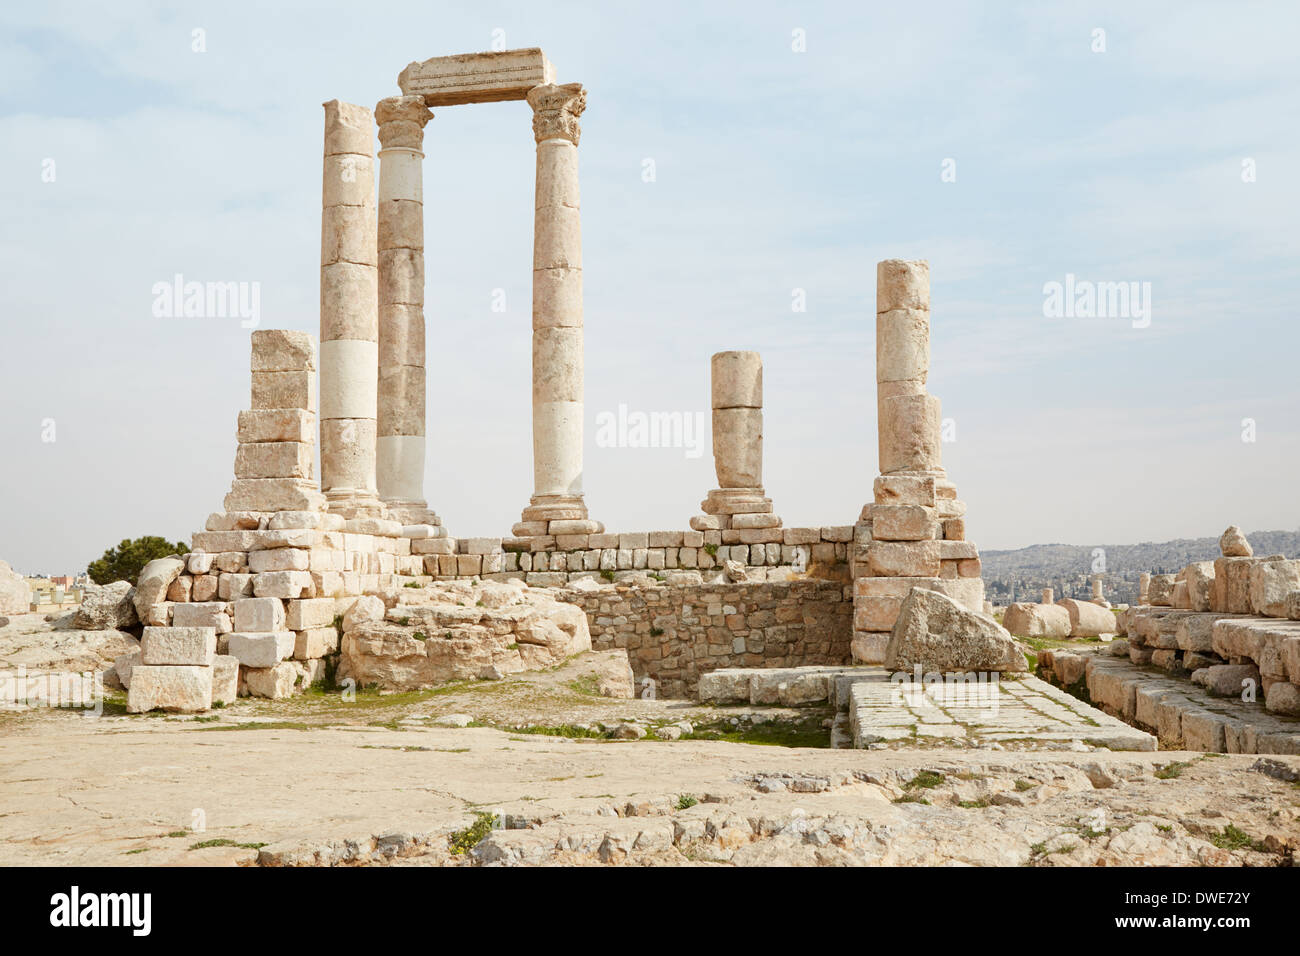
pixel 1231 589
pixel 196 562
pixel 902 284
pixel 1199 577
pixel 261 649
pixel 902 345
pixel 273 494
pixel 557 235
pixel 1271 583
pixel 282 350
pixel 904 559
pixel 279 559
pixel 274 681
pixel 909 434
pixel 1160 592
pixel 403 272
pixel 402 336
pixel 179 590
pixel 736 380
pixel 1233 544
pixel 284 390
pixel 205 588
pixel 350 295
pixel 738 447
pixel 225 679
pixel 938 634
pixel 349 383
pixel 903 523
pixel 906 490
pixel 275 460
pixel 1037 620
pixel 232 586
pixel 263 614
pixel 306 614
pixel 758 520
pixel 282 584
pixel 401 224
pixel 557 298
pixel 870 647
pixel 348 234
pixel 557 365
pixel 315 642
pixel 178 645
pixel 1088 619
pixel 477 77
pixel 155 578
pixel 183 689
pixel 213 614
pixel 1283 698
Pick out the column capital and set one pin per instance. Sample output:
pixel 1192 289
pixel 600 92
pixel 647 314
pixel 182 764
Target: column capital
pixel 401 121
pixel 556 109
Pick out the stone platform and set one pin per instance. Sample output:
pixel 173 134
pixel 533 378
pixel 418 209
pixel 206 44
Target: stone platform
pixel 878 711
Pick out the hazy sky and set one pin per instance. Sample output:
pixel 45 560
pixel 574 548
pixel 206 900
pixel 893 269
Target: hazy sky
pixel 775 170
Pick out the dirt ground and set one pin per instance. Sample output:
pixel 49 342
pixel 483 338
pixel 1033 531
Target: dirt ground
pixel 546 772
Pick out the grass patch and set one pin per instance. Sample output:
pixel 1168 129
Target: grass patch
pixel 685 801
pixel 1172 771
pixel 1023 785
pixel 264 725
pixel 912 798
pixel 972 804
pixel 925 780
pixel 462 841
pixel 588 685
pixel 804 732
pixel 221 841
pixel 562 730
pixel 1235 838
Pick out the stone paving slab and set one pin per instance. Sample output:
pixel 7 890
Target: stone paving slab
pixel 1021 714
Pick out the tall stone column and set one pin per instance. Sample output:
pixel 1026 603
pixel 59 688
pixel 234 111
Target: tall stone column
pixel 557 505
pixel 913 534
pixel 349 324
pixel 400 445
pixel 737 398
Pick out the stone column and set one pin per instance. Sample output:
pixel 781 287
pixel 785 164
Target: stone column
pixel 1048 596
pixel 400 445
pixel 557 505
pixel 349 324
pixel 737 399
pixel 908 420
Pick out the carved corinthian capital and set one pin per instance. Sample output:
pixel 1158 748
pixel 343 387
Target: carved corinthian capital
pixel 556 109
pixel 401 121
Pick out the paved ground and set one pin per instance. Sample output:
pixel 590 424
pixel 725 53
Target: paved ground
pixel 318 779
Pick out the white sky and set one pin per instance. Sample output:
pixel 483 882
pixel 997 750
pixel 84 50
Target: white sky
pixel 775 170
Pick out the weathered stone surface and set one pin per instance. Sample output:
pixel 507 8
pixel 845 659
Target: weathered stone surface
pixel 1227 680
pixel 1271 584
pixel 109 606
pixel 1233 544
pixel 225 679
pixel 1037 620
pixel 1160 592
pixel 939 634
pixel 178 646
pixel 156 577
pixel 454 631
pixel 1199 576
pixel 1283 698
pixel 1088 619
pixel 275 681
pixel 261 650
pixel 15 592
pixel 176 689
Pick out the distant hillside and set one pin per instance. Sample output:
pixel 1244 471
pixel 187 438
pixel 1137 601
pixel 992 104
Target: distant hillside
pixel 1023 573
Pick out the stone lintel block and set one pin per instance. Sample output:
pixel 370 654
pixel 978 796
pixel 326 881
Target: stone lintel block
pixel 284 390
pixel 477 77
pixel 178 646
pixel 906 490
pixel 261 649
pixel 283 350
pixel 277 425
pixel 179 689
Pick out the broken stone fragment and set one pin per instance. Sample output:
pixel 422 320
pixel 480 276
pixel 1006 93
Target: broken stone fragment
pixel 938 634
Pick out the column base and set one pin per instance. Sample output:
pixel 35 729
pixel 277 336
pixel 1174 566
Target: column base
pixel 555 514
pixel 738 509
pixel 412 512
pixel 351 503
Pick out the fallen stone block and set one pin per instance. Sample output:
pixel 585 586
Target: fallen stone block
pixel 186 689
pixel 178 646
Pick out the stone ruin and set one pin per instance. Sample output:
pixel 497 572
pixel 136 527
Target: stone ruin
pixel 303 567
